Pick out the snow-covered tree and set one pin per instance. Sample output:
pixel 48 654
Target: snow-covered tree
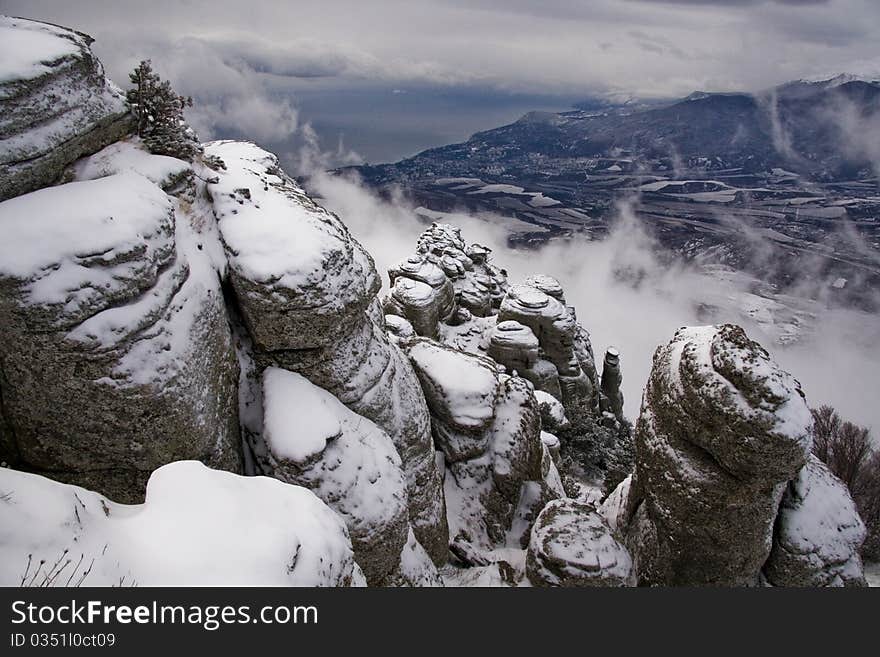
pixel 158 110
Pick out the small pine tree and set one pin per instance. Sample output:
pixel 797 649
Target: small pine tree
pixel 158 110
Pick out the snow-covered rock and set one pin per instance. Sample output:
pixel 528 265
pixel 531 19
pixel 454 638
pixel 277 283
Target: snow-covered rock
pixel 571 545
pixel 297 272
pixel 498 471
pixel 565 346
pixel 553 416
pixel 422 293
pixel 818 533
pixel 114 347
pixel 612 397
pixel 131 155
pixel 307 292
pixel 311 439
pixel 722 430
pixel 197 527
pixel 526 329
pixel 55 104
pixel 461 391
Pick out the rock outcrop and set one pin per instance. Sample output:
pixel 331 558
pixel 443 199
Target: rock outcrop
pixel 611 400
pixel 154 310
pixel 818 533
pixel 197 527
pixel 567 363
pixel 499 473
pixel 311 439
pixel 527 328
pixel 56 105
pixel 307 293
pixel 571 545
pixel 721 431
pixel 115 353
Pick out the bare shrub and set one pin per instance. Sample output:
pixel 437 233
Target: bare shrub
pixel 847 450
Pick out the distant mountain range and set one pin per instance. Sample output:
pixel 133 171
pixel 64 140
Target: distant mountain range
pixel 794 167
pixel 806 127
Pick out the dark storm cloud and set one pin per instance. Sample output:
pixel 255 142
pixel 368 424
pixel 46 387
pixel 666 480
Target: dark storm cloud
pixel 647 47
pixel 737 3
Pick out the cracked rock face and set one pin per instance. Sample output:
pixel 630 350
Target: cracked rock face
pixel 307 293
pixel 499 473
pixel 311 439
pixel 721 431
pixel 526 327
pixel 571 545
pixel 818 533
pixel 560 339
pixel 56 105
pixel 115 353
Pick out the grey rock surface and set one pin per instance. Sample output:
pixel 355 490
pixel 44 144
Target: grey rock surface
pixel 307 292
pixel 312 440
pixel 818 533
pixel 115 352
pixel 571 545
pixel 721 431
pixel 54 107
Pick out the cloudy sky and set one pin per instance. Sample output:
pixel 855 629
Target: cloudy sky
pixel 395 76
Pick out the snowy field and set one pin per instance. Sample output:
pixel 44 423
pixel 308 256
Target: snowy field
pixel 872 574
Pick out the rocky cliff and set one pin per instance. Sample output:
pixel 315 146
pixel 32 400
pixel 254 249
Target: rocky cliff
pixel 156 313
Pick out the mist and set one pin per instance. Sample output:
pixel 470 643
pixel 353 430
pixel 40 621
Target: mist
pixel 627 298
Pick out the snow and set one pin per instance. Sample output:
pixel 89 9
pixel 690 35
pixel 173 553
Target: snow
pixel 528 296
pixel 557 410
pixel 129 155
pixel 27 48
pixel 549 440
pixel 53 234
pixel 613 509
pixel 468 384
pixel 274 233
pixel 512 333
pixel 197 527
pixel 346 459
pixel 702 344
pixel 818 521
pixel 415 565
pixel 299 418
pixel 172 343
pixel 499 189
pixel 541 201
pixel 413 292
pixel 872 574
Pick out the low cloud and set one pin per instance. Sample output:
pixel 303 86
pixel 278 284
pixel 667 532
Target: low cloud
pixel 628 297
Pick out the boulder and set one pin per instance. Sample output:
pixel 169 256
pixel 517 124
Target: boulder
pixel 818 533
pixel 56 105
pixel 722 430
pixel 115 351
pixel 461 391
pixel 422 293
pixel 571 545
pixel 488 426
pixel 312 440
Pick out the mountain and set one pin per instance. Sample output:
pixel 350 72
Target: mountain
pixel 793 169
pixel 200 384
